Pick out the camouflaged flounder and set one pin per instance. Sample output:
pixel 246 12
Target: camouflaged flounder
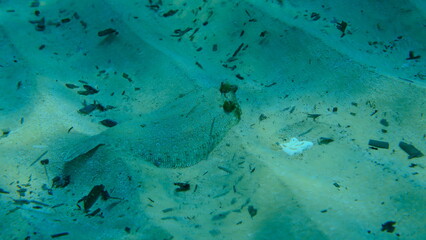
pixel 175 136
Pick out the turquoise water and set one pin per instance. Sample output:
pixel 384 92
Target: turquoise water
pixel 173 119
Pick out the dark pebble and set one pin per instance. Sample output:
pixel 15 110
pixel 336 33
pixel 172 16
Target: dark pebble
pixel 71 86
pixel 378 144
pixel 324 140
pixel 88 109
pixel 5 133
pixel 108 123
pixel 412 151
pixel 65 20
pixel 384 122
pixel 44 161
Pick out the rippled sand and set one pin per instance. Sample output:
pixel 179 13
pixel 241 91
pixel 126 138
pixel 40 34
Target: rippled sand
pixel 344 71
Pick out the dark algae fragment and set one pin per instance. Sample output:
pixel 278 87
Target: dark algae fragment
pixel 3 191
pixel 199 65
pixel 226 88
pixel 315 16
pixel 252 211
pixel 126 76
pixel 4 133
pixel 59 235
pixel 180 33
pixel 107 32
pixel 42 155
pixel 238 50
pixel 91 198
pixel 89 90
pixel 314 116
pixel 342 27
pixel 61 182
pixel 411 56
pixel 271 84
pixel 220 216
pixel 170 13
pixel 65 20
pixel 182 187
pixel 239 76
pixel 40 25
pixel 229 106
pixel 94 213
pixel 388 226
pixel 262 117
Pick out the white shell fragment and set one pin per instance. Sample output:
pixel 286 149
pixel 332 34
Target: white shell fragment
pixel 295 146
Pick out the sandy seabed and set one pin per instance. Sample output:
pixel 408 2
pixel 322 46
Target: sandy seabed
pixel 326 70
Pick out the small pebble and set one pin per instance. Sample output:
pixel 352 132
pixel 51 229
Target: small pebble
pixel 88 109
pixel 71 86
pixel 108 123
pixel 384 122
